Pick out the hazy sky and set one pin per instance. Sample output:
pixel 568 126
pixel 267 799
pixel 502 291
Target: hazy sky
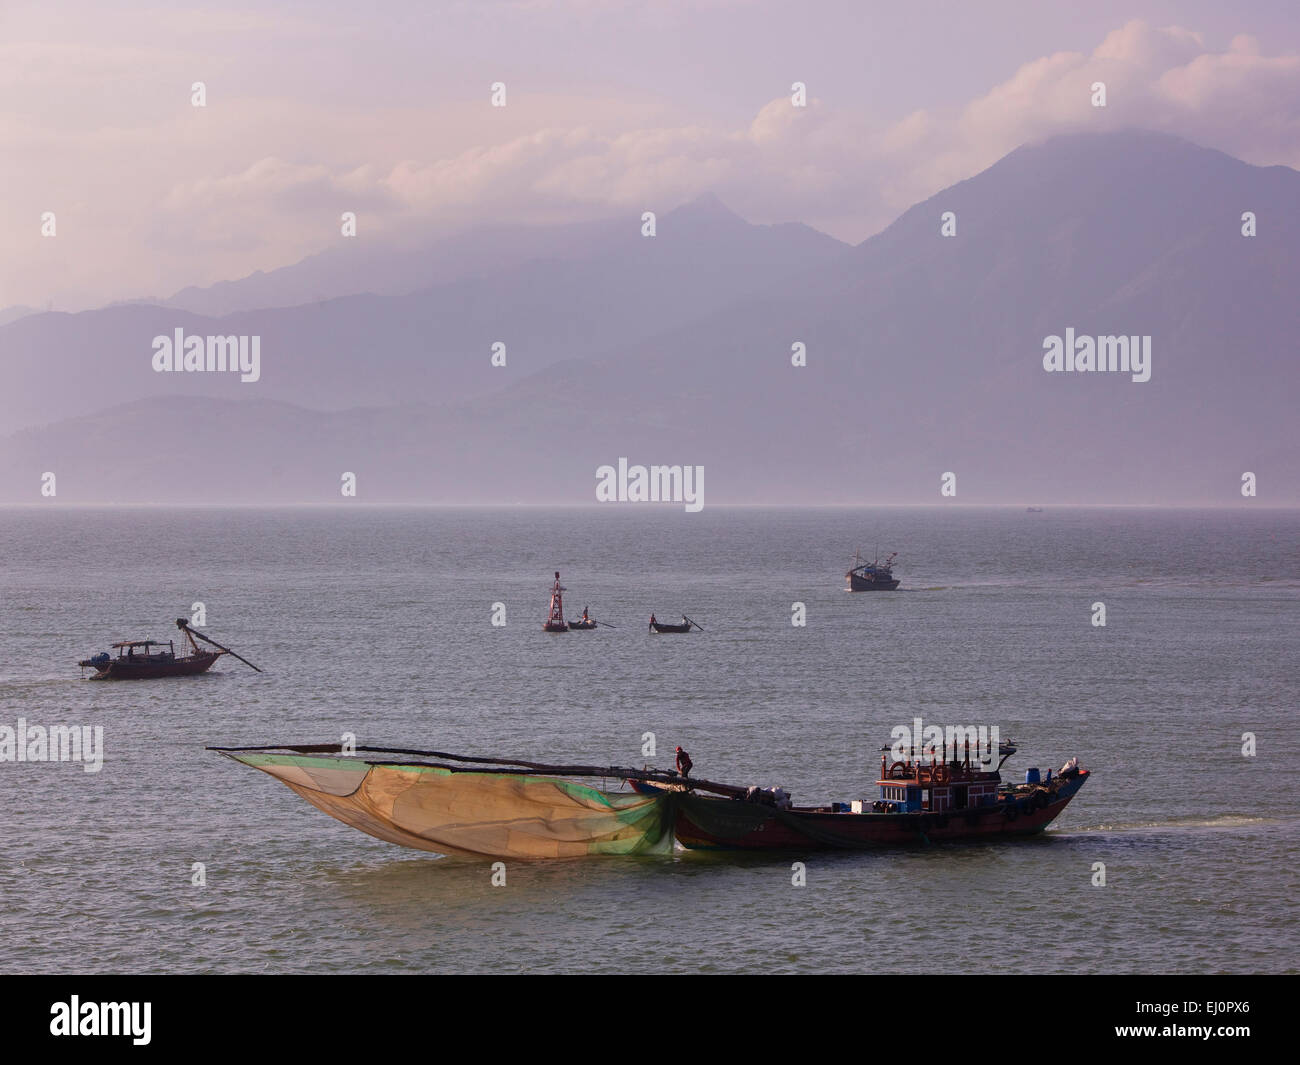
pixel 322 106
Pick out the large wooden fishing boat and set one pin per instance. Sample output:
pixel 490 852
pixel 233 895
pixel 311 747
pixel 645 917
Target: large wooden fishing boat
pixel 918 801
pixel 138 659
pixel 500 807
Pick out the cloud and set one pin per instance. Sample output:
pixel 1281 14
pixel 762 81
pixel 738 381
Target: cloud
pixel 173 195
pixel 831 165
pixel 1156 78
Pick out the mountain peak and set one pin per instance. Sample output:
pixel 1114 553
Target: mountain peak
pixel 707 206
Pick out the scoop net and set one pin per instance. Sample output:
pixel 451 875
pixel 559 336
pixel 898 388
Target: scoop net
pixel 475 807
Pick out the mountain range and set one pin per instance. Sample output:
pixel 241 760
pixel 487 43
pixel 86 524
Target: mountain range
pixel 924 355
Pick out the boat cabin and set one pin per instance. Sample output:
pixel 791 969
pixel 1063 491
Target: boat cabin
pixel 914 786
pixel 142 649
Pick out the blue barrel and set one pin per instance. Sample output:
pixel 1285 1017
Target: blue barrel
pixel 1031 775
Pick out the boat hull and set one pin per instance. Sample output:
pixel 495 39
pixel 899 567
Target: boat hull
pixel 142 669
pixel 730 824
pixel 868 584
pixel 581 626
pixel 669 628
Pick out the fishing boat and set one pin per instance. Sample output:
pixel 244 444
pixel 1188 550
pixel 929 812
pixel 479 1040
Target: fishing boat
pixel 685 625
pixel 555 619
pixel 874 576
pixel 138 659
pixel 583 623
pixel 510 808
pixel 917 801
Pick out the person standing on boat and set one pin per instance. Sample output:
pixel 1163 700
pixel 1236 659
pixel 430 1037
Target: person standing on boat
pixel 684 763
pixel 652 625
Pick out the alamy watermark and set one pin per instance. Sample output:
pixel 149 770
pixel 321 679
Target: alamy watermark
pixel 195 354
pixel 75 1017
pixel 1112 354
pixel 58 743
pixel 917 741
pixel 651 484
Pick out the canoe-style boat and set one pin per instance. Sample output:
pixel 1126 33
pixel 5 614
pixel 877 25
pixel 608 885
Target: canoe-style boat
pixel 874 576
pixel 509 808
pixel 137 659
pixel 582 624
pixel 685 625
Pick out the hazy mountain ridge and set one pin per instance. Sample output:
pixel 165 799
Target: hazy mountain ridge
pixel 387 267
pixel 12 314
pixel 924 356
pixel 433 344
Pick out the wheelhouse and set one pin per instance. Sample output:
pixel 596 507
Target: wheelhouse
pixel 914 785
pixel 144 649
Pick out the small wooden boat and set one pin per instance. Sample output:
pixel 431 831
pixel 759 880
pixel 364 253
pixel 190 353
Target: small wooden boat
pixel 137 659
pixel 555 619
pixel 583 624
pixel 684 626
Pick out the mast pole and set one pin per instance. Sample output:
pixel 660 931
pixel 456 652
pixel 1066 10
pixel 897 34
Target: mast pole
pixel 184 626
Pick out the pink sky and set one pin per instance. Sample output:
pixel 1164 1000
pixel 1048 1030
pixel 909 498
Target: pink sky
pixel 318 108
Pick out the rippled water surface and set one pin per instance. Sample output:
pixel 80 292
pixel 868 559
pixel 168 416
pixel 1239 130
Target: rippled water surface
pixel 377 622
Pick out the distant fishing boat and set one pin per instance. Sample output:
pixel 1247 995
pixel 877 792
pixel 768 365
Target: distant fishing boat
pixel 684 626
pixel 1033 510
pixel 510 808
pixel 583 623
pixel 555 619
pixel 874 576
pixel 138 659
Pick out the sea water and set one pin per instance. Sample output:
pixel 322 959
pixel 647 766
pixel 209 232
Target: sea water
pixel 1178 855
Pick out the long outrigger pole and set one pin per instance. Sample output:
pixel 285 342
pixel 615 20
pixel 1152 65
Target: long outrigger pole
pixel 509 766
pixel 184 626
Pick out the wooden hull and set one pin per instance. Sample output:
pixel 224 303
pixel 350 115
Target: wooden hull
pixel 670 628
pixel 581 626
pixel 730 824
pixel 144 669
pixel 864 584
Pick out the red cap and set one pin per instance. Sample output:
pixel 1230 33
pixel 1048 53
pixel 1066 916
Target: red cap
pixel 679 748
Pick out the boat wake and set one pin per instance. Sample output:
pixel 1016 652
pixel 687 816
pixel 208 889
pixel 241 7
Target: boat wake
pixel 1224 821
